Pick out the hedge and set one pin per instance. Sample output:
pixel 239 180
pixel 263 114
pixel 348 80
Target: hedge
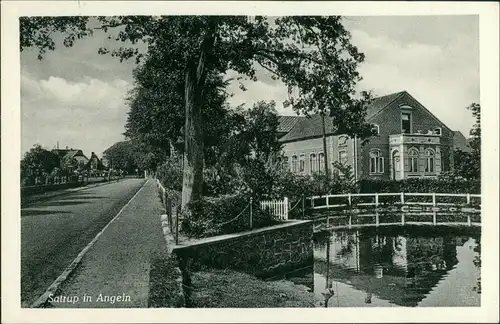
pixel 212 216
pixel 420 185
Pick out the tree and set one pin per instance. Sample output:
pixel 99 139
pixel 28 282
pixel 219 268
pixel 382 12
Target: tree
pixel 121 156
pixel 260 130
pixel 468 164
pixel 313 54
pixel 38 160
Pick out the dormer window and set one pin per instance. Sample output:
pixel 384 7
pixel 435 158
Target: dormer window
pixel 375 129
pixel 406 122
pixel 437 131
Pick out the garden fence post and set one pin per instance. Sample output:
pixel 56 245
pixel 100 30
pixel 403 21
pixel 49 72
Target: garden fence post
pixel 251 202
pixel 286 208
pixel 177 226
pixel 303 206
pixel 434 199
pixel 468 199
pixel 402 198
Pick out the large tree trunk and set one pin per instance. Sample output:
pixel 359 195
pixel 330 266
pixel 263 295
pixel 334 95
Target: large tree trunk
pixel 192 183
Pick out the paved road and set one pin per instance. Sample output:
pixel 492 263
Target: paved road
pixel 53 232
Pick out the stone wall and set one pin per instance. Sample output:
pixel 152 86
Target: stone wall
pixel 261 252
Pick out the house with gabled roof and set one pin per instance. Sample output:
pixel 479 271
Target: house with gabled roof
pixel 410 142
pixel 71 159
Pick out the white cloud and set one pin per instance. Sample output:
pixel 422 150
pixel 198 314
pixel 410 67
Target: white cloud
pixel 89 114
pixel 444 78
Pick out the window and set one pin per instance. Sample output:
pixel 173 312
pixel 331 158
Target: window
pixel 294 163
pixel 413 159
pixel 342 140
pixel 302 162
pixel 375 129
pixel 376 162
pixel 343 157
pixel 437 131
pixel 406 123
pixel 429 160
pixel 321 162
pixel 313 163
pixel 285 163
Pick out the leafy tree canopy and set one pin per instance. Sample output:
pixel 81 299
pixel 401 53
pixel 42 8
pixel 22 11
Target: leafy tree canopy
pixel 38 160
pixel 311 54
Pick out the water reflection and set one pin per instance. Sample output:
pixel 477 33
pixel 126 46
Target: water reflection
pixel 398 267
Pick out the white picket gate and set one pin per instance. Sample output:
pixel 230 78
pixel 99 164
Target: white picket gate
pixel 278 208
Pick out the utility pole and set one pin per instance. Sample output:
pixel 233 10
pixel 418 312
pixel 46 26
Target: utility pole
pixel 325 155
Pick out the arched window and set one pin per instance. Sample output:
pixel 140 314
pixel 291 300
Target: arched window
pixel 376 162
pixel 321 162
pixel 279 162
pixel 343 157
pixel 313 163
pixel 302 162
pixel 413 159
pixel 294 164
pixel 375 129
pixel 429 160
pixel 285 163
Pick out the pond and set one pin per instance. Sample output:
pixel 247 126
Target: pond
pixel 395 266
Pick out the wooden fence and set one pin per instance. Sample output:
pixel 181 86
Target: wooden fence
pixel 401 198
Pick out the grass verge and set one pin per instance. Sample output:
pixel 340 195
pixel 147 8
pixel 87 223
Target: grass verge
pixel 231 289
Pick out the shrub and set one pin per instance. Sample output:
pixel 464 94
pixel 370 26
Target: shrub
pixel 170 174
pixel 442 185
pixel 212 216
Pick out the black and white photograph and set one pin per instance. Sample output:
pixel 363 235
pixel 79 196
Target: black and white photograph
pixel 249 158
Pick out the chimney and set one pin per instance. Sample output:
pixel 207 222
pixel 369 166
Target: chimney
pixel 66 146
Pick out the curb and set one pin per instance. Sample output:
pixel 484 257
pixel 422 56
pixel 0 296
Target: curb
pixel 42 301
pixel 170 243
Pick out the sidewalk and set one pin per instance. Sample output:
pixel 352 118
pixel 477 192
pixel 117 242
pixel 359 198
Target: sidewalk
pixel 115 272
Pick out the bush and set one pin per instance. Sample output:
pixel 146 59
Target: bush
pixel 170 174
pixel 212 216
pixel 421 185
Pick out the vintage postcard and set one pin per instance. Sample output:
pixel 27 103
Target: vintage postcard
pixel 249 162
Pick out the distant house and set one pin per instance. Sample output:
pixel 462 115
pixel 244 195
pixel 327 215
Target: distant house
pixel 95 163
pixel 460 142
pixel 410 142
pixel 71 159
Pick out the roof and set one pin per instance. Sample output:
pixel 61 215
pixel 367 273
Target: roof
pixel 308 127
pixel 460 142
pixel 311 127
pixel 286 123
pixel 377 104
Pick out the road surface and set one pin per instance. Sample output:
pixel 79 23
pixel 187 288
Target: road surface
pixel 54 231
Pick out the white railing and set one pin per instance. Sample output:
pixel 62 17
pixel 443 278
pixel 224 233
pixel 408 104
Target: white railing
pixel 401 198
pixel 277 208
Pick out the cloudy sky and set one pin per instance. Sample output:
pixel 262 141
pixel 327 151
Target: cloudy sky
pixel 76 97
